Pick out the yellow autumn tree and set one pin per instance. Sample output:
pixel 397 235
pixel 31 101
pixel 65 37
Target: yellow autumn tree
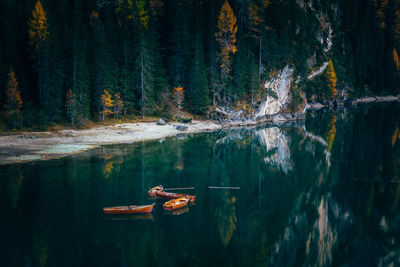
pixel 330 137
pixel 395 136
pixel 396 59
pixel 37 26
pixel 106 104
pixel 142 14
pixel 38 36
pixel 331 79
pixel 226 37
pixel 14 100
pixel 178 95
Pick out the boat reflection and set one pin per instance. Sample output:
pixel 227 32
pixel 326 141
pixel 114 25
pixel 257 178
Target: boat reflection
pixel 132 217
pixel 178 211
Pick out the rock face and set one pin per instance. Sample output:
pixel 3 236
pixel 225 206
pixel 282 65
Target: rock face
pixel 280 86
pixel 160 122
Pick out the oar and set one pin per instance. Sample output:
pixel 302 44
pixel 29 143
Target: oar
pixel 380 180
pixel 179 188
pixel 224 187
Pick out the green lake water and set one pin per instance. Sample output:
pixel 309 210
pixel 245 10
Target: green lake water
pixel 325 193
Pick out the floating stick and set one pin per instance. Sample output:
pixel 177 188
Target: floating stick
pixel 179 188
pixel 224 187
pixel 380 180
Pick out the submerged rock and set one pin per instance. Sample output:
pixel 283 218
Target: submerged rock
pixel 181 127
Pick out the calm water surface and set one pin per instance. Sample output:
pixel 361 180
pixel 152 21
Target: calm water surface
pixel 323 194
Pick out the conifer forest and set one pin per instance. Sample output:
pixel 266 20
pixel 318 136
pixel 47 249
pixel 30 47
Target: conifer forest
pixel 74 60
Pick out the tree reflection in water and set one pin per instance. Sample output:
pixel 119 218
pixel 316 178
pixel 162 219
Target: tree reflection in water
pixel 323 193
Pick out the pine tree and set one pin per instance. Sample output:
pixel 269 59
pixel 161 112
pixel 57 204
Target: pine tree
pixel 145 61
pixel 38 36
pixel 118 105
pixel 254 82
pixel 178 96
pixel 226 37
pixel 70 104
pixel 179 40
pixel 80 67
pixel 331 80
pixel 13 99
pixel 212 68
pixel 240 70
pixel 198 93
pixel 396 27
pixel 256 27
pixel 104 70
pixel 125 13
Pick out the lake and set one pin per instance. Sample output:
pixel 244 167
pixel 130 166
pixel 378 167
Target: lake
pixel 322 193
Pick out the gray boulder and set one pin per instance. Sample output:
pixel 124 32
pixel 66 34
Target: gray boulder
pixel 161 122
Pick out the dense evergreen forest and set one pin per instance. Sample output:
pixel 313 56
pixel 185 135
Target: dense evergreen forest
pixel 73 60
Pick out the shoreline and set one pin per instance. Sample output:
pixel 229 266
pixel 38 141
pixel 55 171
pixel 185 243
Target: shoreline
pixel 32 146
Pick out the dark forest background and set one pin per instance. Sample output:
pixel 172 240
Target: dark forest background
pixel 138 51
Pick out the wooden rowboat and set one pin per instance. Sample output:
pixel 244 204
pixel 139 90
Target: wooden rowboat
pixel 176 203
pixel 129 209
pixel 158 188
pixel 167 195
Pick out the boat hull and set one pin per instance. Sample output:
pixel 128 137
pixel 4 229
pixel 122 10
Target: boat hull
pixel 176 203
pixel 152 192
pixel 167 195
pixel 132 209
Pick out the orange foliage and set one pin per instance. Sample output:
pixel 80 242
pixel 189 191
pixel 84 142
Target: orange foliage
pixel 332 133
pixel 331 79
pixel 37 26
pixel 108 168
pixel 178 95
pixel 396 58
pixel 106 104
pixel 395 136
pixel 156 6
pixel 255 18
pixel 143 14
pixel 226 37
pixel 14 100
pixel 179 165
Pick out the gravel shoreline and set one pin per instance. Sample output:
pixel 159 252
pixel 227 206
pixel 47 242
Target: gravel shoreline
pixel 30 146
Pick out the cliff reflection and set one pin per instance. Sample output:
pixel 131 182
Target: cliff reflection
pixel 276 143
